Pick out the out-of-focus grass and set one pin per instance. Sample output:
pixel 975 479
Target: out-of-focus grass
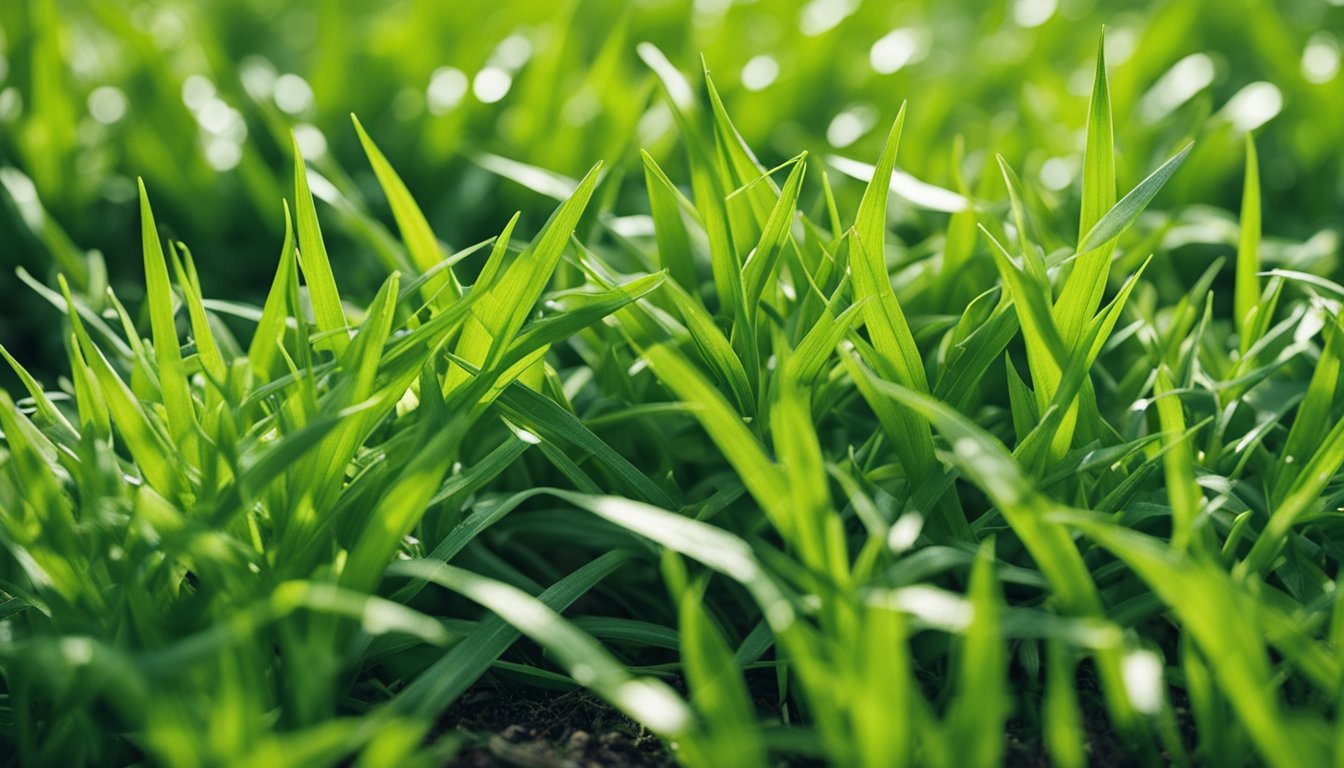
pixel 199 97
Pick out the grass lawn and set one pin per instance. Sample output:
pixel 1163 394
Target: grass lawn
pixel 671 383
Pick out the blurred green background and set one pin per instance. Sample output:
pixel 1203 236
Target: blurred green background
pixel 199 98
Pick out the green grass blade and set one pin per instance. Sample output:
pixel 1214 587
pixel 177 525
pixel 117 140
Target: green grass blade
pixel 715 348
pixel 650 701
pixel 669 229
pixel 149 448
pixel 207 350
pixel 1247 290
pixel 718 692
pixel 316 266
pixel 762 477
pixel 1119 218
pixel 420 241
pixel 883 316
pixel 1203 598
pixel 981 709
pixel 1183 493
pixel 1086 283
pixel 761 263
pixel 502 310
pixel 167 350
pixel 270 331
pixel 1313 414
pixel 448 678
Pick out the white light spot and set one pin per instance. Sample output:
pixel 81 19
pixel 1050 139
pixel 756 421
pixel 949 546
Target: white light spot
pixel 527 437
pixel 107 104
pixel 512 53
pixel 293 94
pixel 1253 106
pixel 11 104
pixel 1033 13
pixel 850 126
pixel 821 16
pixel 1142 671
pixel 940 608
pixel 966 448
pixel 167 28
pixel 379 618
pixel 760 72
pixel 447 86
pixel 222 154
pixel 637 225
pixel 491 84
pixel 894 50
pixel 905 532
pixel 77 650
pixel 655 705
pixel 311 141
pixel 196 91
pixel 583 674
pixel 1320 59
pixel 258 76
pixel 1120 45
pixel 215 117
pixel 1058 172
pixel 1186 78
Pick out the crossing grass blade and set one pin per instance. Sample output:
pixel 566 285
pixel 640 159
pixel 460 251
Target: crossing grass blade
pixel 740 447
pixel 650 701
pixel 1119 218
pixel 502 310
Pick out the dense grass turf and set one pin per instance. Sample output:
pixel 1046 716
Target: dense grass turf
pixel 779 463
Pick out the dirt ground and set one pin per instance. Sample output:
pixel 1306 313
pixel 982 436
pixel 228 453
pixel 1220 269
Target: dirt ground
pixel 548 729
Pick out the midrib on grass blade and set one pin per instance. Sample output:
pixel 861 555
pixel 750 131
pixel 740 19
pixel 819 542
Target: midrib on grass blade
pixel 501 312
pixel 270 330
pixel 316 267
pixel 1247 288
pixel 1083 288
pixel 167 350
pixel 143 439
pixel 896 357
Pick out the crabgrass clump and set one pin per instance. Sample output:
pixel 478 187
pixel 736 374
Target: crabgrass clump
pixel 773 482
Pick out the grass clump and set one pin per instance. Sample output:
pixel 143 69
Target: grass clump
pixel 767 478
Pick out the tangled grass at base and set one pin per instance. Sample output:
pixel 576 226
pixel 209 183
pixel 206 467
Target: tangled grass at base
pixel 771 482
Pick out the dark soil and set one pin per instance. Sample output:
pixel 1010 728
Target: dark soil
pixel 548 729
